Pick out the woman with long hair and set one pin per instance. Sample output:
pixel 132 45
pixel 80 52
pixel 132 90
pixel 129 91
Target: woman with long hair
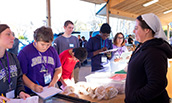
pixel 118 62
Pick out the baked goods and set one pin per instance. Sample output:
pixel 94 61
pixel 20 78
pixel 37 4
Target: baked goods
pixel 120 86
pixel 91 92
pixel 73 95
pixel 110 92
pixel 82 87
pixel 100 92
pixel 68 89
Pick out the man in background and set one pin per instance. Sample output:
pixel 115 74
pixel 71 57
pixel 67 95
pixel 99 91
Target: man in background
pixel 130 40
pixel 80 40
pixel 15 47
pixel 84 42
pixel 67 41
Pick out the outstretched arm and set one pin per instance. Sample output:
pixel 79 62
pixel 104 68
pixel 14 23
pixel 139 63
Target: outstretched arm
pixel 56 77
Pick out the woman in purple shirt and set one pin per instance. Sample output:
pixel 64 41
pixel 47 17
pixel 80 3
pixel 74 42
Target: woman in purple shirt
pixel 119 44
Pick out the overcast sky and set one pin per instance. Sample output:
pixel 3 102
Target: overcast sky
pixel 22 14
pixel 17 12
pixel 35 10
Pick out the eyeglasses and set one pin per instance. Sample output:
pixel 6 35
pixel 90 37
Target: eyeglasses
pixel 105 34
pixel 120 37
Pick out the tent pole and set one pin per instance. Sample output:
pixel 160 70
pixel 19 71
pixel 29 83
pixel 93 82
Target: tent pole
pixel 107 12
pixel 48 13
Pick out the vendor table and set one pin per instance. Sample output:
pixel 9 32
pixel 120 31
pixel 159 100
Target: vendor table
pixel 60 98
pixel 118 99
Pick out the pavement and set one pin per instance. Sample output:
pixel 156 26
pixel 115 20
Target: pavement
pixel 85 70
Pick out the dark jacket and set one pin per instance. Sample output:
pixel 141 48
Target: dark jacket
pixel 146 77
pixel 130 40
pixel 15 47
pixel 94 44
pixel 16 75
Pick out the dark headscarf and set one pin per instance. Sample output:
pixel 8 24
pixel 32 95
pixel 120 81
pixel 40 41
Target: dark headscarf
pixel 3 27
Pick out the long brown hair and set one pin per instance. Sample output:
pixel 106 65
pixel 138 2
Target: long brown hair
pixel 115 39
pixel 3 27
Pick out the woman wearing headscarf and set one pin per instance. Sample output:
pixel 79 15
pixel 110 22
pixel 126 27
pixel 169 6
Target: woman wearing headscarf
pixel 11 83
pixel 146 77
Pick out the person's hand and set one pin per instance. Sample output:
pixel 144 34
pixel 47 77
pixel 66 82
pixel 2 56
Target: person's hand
pixel 98 51
pixel 128 57
pixel 108 54
pixel 51 84
pixel 23 95
pixel 38 88
pixel 103 49
pixel 117 59
pixel 3 98
pixel 64 84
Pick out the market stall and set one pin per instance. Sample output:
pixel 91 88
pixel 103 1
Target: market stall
pixel 82 99
pixel 99 88
pixel 61 98
pixel 118 99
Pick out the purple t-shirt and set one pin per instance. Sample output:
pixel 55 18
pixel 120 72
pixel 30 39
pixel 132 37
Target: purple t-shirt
pixel 120 50
pixel 31 63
